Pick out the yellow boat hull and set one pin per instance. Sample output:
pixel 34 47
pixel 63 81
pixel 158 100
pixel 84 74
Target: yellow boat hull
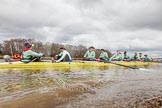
pixel 69 64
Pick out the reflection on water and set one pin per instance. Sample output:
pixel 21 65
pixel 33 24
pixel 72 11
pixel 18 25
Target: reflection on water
pixel 16 83
pixel 13 80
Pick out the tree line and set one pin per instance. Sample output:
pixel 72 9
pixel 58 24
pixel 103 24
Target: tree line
pixel 9 47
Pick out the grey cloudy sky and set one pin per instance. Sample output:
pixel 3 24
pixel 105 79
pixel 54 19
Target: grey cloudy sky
pixel 134 25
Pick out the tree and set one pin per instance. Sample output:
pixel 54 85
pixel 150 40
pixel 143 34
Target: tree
pixel 1 48
pixel 48 49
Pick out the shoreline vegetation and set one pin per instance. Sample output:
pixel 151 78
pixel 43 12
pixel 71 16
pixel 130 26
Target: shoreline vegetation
pixel 49 49
pixel 9 47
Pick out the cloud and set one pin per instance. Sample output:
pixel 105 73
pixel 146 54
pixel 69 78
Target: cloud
pixel 133 25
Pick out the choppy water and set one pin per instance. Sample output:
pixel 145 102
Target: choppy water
pixel 95 87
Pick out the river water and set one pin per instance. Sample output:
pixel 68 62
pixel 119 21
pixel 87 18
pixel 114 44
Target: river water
pixel 91 87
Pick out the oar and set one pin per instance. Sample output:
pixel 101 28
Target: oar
pixel 30 61
pixel 132 67
pixel 33 60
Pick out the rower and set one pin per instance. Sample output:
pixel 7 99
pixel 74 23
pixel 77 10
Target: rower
pixel 28 55
pixel 140 57
pixel 103 55
pixel 135 57
pixel 64 56
pixel 126 57
pixel 146 59
pixel 117 56
pixel 90 54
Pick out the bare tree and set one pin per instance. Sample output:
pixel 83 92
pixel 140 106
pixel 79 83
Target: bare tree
pixel 49 49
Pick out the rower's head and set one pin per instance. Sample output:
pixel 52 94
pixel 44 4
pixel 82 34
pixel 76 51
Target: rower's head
pixel 135 53
pixel 125 52
pixel 145 55
pixel 102 50
pixel 140 54
pixel 27 45
pixel 62 49
pixel 118 52
pixel 91 48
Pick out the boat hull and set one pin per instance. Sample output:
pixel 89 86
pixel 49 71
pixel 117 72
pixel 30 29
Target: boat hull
pixel 69 64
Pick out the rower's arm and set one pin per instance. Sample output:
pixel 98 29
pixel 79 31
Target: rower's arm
pixel 62 57
pixel 106 55
pixel 120 57
pixel 114 56
pixel 94 55
pixel 85 55
pixel 34 54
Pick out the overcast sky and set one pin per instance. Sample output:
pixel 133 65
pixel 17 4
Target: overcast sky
pixel 133 25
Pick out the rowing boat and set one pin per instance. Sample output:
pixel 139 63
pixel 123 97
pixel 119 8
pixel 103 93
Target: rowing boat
pixel 68 64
